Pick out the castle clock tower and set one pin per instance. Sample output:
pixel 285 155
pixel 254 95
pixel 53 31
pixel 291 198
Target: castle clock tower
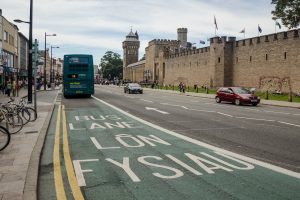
pixel 130 51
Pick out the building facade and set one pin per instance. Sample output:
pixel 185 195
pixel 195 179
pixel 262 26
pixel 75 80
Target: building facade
pixel 8 50
pixel 268 62
pixel 23 56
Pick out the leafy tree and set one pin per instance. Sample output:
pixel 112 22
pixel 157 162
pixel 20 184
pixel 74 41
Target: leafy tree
pixel 143 58
pixel 111 65
pixel 288 11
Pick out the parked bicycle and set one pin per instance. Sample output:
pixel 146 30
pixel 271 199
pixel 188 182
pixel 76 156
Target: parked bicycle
pixel 4 138
pixel 13 122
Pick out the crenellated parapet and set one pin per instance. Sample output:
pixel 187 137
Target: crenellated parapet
pixel 187 52
pixel 275 37
pixel 163 42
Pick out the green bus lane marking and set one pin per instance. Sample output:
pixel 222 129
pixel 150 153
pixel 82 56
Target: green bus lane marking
pixel 118 156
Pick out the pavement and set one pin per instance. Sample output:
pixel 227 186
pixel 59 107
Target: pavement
pixel 19 162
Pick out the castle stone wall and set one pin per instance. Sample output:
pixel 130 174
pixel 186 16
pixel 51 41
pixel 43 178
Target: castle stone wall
pixel 269 62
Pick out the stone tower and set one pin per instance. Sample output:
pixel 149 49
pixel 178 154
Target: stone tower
pixel 131 47
pixel 182 36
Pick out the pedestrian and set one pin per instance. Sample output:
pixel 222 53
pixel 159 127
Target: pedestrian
pixel 14 88
pixel 8 88
pixel 180 87
pixel 183 87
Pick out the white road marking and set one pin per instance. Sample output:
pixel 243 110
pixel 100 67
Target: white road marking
pixel 208 111
pixel 155 109
pixel 225 114
pixel 268 120
pixel 269 111
pixel 289 124
pixel 146 100
pixel 202 144
pixel 253 109
pixel 168 104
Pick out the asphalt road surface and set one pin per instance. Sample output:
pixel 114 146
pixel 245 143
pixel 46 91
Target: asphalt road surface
pixel 160 145
pixel 266 133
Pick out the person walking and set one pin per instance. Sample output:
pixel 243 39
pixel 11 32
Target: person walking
pixel 180 87
pixel 14 88
pixel 8 88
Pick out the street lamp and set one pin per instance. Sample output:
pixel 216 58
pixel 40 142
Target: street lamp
pixel 29 69
pixel 51 66
pixel 45 59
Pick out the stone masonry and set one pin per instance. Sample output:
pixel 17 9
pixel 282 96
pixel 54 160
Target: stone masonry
pixel 268 62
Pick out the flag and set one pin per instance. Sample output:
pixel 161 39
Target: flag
pixel 242 31
pixel 215 21
pixel 277 24
pixel 202 42
pixel 259 29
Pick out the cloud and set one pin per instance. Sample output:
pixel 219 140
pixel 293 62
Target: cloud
pixel 101 25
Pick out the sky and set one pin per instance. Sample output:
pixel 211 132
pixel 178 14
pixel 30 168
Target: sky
pixel 97 26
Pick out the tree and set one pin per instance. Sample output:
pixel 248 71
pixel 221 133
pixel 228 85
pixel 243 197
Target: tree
pixel 288 11
pixel 111 65
pixel 143 58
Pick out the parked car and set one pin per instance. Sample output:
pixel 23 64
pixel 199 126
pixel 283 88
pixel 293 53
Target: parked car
pixel 133 88
pixel 236 95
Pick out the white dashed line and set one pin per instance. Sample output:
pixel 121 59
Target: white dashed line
pixel 146 100
pixel 267 120
pixel 269 111
pixel 288 124
pixel 224 114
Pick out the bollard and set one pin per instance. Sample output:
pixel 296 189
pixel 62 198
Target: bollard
pixel 188 88
pixel 290 97
pixel 173 88
pixel 206 90
pixel 197 89
pixel 267 94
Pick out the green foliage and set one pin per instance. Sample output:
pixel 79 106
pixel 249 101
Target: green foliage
pixel 143 58
pixel 111 65
pixel 288 11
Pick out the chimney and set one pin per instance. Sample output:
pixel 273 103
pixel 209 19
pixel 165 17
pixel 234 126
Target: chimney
pixel 0 12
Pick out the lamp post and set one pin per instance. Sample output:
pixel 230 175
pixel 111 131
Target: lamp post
pixel 51 66
pixel 45 60
pixel 29 69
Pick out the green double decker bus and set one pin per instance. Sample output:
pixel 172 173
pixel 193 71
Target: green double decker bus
pixel 78 75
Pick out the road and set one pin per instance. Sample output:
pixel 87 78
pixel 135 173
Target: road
pixel 267 133
pixel 160 145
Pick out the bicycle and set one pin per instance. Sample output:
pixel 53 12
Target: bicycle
pixel 4 138
pixel 13 121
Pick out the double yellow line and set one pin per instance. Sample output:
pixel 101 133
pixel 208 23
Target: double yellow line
pixel 58 179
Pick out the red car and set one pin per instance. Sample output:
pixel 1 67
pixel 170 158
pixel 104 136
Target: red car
pixel 236 95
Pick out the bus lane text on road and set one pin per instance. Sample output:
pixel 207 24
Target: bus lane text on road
pixel 164 165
